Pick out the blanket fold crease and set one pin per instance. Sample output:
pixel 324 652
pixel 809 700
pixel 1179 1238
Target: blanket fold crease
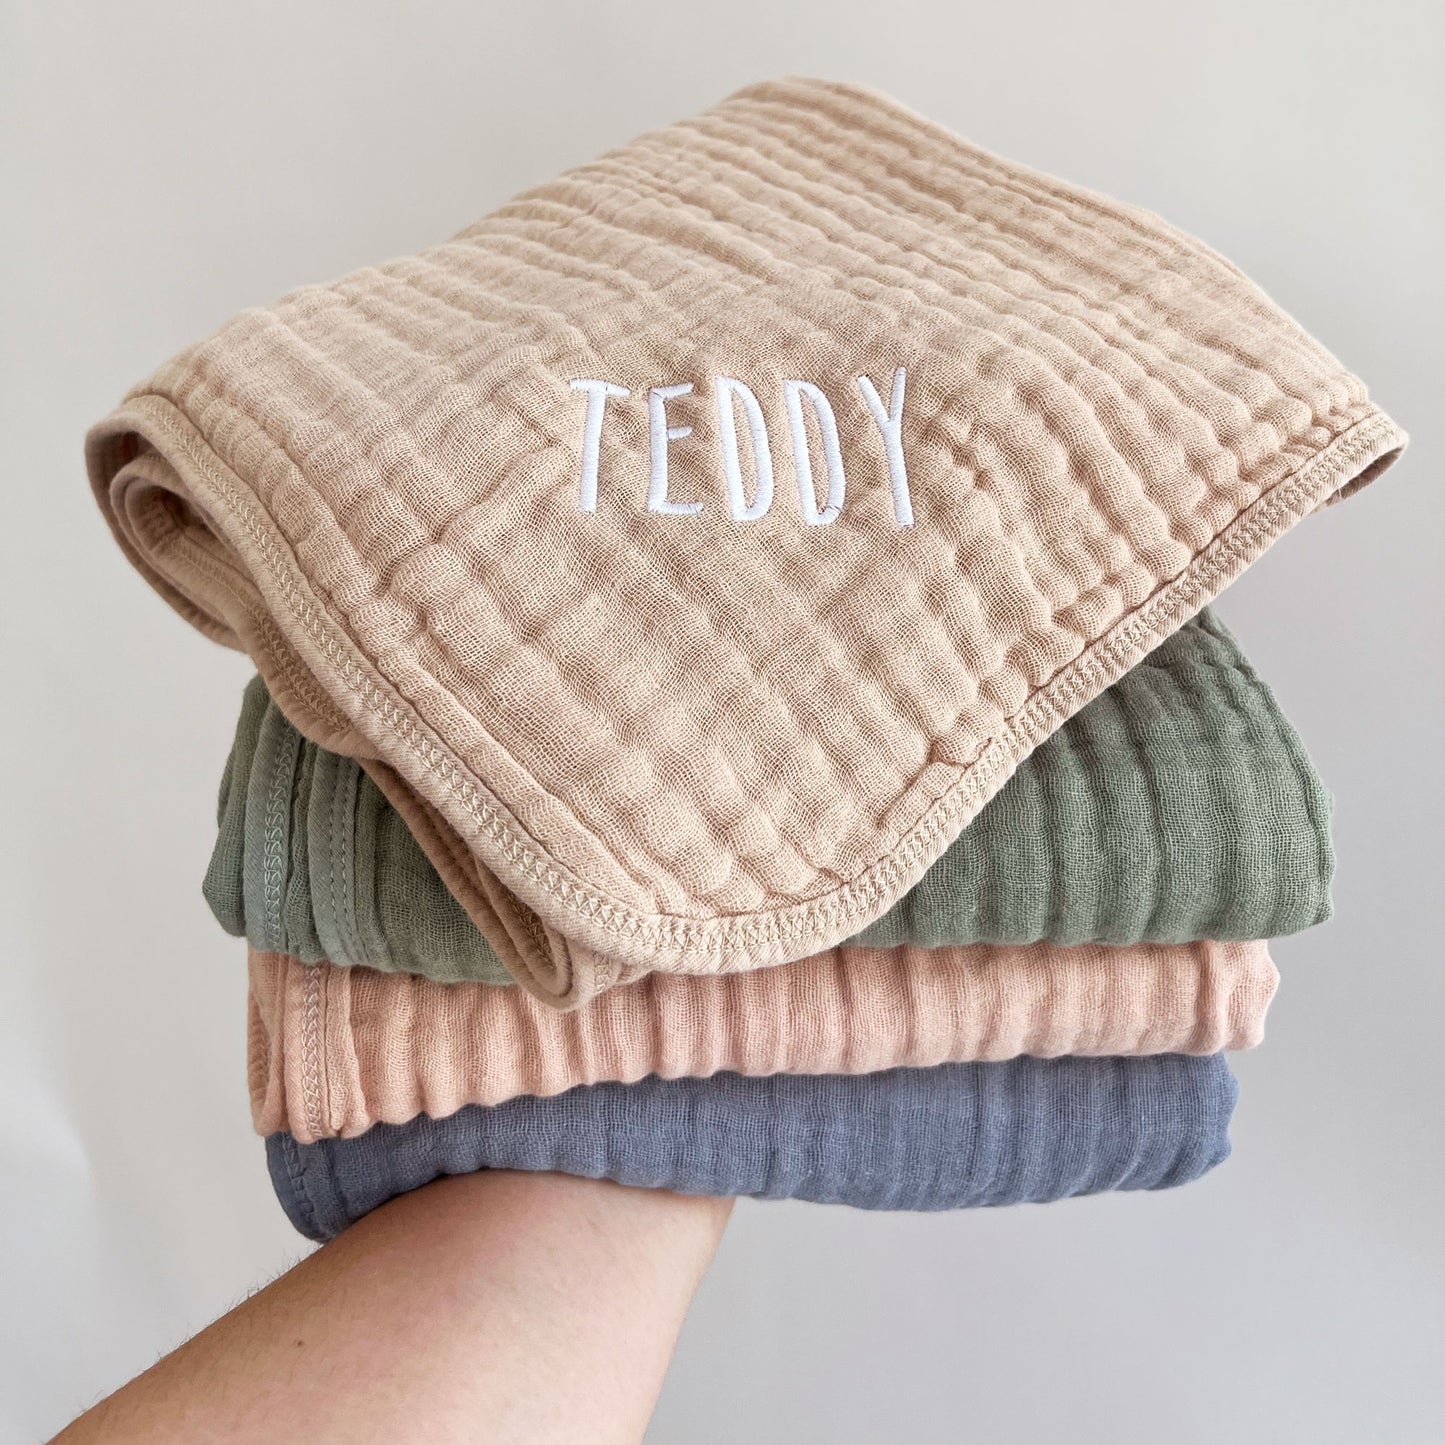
pixel 692 547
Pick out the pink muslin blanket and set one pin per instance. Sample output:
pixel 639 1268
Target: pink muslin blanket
pixel 335 1050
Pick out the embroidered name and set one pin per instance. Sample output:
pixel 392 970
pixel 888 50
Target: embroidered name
pixel 734 399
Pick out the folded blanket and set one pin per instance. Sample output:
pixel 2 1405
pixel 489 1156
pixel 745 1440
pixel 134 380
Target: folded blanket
pixel 334 1051
pixel 953 1137
pixel 692 547
pixel 1178 805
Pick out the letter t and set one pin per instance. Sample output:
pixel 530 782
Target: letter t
pixel 597 394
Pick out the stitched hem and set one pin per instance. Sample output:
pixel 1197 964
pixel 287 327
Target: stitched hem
pixel 289 1172
pixel 703 945
pixel 311 1049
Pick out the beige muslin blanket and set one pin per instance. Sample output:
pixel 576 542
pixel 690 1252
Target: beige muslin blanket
pixel 335 1050
pixel 694 545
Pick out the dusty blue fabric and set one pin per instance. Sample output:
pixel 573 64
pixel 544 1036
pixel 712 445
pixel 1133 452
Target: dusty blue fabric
pixel 953 1137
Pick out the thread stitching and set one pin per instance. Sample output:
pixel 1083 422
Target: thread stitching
pixel 300 1193
pixel 310 1047
pixel 274 861
pixel 1322 474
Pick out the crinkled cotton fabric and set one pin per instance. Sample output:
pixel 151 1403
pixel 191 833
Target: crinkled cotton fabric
pixel 691 548
pixel 333 1050
pixel 1179 805
pixel 953 1137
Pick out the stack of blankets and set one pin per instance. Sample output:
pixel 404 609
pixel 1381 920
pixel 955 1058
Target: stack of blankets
pixel 739 709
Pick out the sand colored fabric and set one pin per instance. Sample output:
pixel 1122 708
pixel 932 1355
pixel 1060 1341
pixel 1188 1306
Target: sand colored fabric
pixel 334 1051
pixel 958 1136
pixel 1178 805
pixel 965 444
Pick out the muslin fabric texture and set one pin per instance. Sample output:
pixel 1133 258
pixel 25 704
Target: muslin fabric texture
pixel 334 1051
pixel 1178 805
pixel 643 708
pixel 953 1137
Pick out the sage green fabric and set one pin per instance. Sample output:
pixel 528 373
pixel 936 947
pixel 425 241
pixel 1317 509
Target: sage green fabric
pixel 1177 806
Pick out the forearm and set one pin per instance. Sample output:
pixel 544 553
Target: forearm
pixel 510 1307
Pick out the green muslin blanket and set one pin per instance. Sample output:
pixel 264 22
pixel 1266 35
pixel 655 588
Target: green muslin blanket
pixel 1178 805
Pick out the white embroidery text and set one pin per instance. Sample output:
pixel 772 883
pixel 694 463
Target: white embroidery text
pixel 750 495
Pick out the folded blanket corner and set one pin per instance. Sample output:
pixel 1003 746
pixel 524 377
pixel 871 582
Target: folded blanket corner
pixel 483 518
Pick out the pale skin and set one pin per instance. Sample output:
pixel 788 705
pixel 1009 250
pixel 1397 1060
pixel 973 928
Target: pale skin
pixel 499 1307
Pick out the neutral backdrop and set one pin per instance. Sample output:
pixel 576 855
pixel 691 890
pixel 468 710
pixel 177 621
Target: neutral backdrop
pixel 169 163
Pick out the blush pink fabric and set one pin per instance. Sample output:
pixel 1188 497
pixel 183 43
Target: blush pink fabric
pixel 335 1050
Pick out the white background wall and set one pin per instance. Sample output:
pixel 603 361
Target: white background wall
pixel 169 163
